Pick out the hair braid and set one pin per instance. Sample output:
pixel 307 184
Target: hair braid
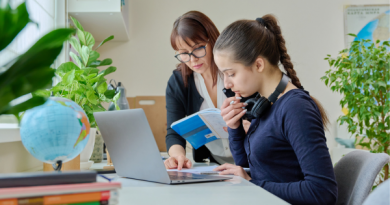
pixel 285 59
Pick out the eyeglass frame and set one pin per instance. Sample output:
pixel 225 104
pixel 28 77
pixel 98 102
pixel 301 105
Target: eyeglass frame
pixel 189 54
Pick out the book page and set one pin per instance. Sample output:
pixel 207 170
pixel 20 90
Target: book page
pixel 216 123
pixel 212 110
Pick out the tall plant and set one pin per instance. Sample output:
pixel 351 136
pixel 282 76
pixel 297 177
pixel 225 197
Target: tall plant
pixel 30 71
pixel 362 75
pixel 83 82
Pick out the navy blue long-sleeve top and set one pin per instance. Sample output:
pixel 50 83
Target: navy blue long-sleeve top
pixel 286 151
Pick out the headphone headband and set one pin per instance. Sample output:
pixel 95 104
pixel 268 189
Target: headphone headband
pixel 279 89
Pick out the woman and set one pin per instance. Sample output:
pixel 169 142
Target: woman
pixel 285 147
pixel 196 84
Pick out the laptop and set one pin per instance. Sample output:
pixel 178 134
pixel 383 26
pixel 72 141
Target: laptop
pixel 134 152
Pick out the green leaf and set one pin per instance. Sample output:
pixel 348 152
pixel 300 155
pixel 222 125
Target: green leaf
pixel 57 88
pixel 89 40
pixel 382 84
pixel 109 70
pixel 115 99
pixel 81 36
pixel 66 67
pixel 77 24
pixel 92 97
pixel 32 102
pixel 98 108
pixel 109 94
pixel 11 23
pixel 68 78
pixel 95 79
pixel 351 34
pixel 75 44
pixel 102 87
pixel 93 56
pixel 104 41
pixel 104 62
pixel 85 55
pixel 76 59
pixel 90 76
pixel 41 93
pixel 88 109
pixel 88 71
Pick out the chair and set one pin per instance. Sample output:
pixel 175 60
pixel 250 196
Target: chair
pixel 380 196
pixel 355 175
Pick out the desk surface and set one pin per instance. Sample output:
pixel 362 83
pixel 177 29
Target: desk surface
pixel 234 191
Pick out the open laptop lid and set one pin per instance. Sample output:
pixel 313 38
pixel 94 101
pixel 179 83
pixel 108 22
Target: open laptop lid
pixel 131 145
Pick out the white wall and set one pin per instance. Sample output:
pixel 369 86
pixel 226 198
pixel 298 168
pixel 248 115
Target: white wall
pixel 312 30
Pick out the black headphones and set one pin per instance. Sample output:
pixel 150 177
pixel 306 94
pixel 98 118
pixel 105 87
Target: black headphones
pixel 256 106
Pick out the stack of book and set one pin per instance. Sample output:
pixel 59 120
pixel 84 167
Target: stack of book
pixel 57 188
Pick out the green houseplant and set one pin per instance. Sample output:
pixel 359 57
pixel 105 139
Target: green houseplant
pixel 30 71
pixel 83 82
pixel 362 75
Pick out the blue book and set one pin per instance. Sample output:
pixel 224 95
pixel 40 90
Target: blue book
pixel 202 127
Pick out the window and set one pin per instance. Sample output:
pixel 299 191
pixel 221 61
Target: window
pixel 48 15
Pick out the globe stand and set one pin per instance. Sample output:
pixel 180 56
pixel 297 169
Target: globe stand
pixel 57 166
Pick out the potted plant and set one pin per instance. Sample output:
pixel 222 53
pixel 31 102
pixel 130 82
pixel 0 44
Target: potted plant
pixel 83 83
pixel 362 75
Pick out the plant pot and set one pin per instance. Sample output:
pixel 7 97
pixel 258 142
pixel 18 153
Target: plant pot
pixel 87 152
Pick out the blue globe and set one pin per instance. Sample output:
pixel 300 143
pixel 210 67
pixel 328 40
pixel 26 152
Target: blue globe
pixel 57 130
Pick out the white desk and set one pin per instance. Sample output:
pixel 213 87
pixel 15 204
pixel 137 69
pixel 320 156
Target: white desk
pixel 235 191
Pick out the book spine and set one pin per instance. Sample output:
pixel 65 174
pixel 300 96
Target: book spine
pixel 8 201
pixel 27 180
pixel 76 198
pixel 105 202
pixel 31 201
pixel 85 203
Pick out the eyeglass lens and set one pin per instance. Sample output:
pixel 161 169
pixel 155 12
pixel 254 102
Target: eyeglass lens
pixel 198 53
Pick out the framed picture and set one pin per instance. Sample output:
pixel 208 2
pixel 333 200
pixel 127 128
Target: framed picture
pixel 367 22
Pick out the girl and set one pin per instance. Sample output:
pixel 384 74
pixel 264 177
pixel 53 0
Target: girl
pixel 285 147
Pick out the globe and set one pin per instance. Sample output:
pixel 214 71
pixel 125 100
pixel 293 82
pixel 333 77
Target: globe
pixel 377 29
pixel 56 131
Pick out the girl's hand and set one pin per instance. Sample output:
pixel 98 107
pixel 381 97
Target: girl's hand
pixel 232 110
pixel 232 169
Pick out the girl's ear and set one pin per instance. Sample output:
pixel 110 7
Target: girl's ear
pixel 259 64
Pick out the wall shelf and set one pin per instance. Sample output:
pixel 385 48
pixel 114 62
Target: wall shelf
pixel 102 18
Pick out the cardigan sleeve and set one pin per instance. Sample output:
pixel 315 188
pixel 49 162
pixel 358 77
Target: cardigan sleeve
pixel 302 127
pixel 236 143
pixel 175 111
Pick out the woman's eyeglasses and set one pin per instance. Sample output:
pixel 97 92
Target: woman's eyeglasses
pixel 197 53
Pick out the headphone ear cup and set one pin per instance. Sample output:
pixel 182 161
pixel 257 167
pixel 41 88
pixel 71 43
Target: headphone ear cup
pixel 260 106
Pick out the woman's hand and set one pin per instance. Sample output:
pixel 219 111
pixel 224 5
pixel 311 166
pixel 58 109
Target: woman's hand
pixel 232 110
pixel 232 169
pixel 177 162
